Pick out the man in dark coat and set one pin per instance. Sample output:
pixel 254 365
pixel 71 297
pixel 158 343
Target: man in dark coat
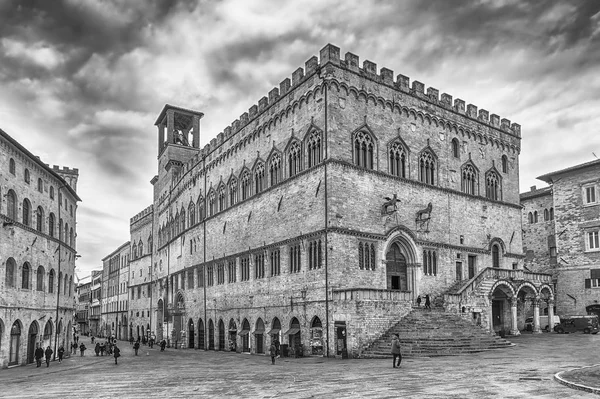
pixel 116 352
pixel 61 353
pixel 82 348
pixel 163 344
pixel 136 347
pixel 396 350
pixel 39 354
pixel 48 354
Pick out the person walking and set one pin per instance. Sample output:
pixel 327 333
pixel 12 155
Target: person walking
pixel 61 353
pixel 48 354
pixel 39 354
pixel 73 348
pixel 82 349
pixel 427 302
pixel 116 352
pixel 93 339
pixel 396 350
pixel 97 349
pixel 102 349
pixel 419 301
pixel 131 340
pixel 273 352
pixel 136 347
pixel 163 344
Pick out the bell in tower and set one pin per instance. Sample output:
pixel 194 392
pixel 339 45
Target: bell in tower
pixel 182 127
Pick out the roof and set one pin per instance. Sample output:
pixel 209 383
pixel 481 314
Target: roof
pixel 116 250
pixel 169 106
pixel 549 177
pixel 535 193
pixel 37 160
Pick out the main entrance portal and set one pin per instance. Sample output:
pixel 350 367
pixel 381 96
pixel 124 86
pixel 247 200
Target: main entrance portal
pixel 396 270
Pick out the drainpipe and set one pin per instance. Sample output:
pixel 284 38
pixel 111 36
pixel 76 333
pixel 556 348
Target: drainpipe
pixel 204 253
pixel 326 231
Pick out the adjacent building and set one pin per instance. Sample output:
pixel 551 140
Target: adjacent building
pixel 114 304
pixel 83 307
pixel 38 212
pixel 95 303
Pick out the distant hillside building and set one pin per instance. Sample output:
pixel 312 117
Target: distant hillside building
pixel 38 212
pixel 561 225
pixel 320 215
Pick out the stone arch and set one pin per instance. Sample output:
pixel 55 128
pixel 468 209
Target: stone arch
pixel 259 335
pixel 524 285
pixel 542 289
pixel 221 335
pixel 505 286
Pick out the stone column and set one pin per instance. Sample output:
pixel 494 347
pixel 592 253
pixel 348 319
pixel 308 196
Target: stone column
pixel 550 315
pixel 161 136
pixel 490 316
pixel 513 308
pixel 196 131
pixel 536 316
pixel 170 125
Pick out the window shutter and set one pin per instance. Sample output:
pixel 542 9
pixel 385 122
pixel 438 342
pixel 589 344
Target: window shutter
pixel 588 283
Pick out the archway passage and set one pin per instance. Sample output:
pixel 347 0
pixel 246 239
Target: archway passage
pixel 245 336
pixel 32 338
pixel 294 337
pixel 191 333
pixel 211 335
pixel 396 268
pixel 259 336
pixel 232 335
pixel 201 344
pixel 221 335
pixel 15 343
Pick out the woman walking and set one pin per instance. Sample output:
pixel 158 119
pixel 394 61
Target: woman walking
pixel 396 350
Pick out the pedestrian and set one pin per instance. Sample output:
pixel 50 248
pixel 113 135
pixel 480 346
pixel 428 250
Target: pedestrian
pixel 73 348
pixel 97 349
pixel 163 343
pixel 82 348
pixel 151 342
pixel 273 352
pixel 419 301
pixel 427 302
pixel 396 350
pixel 117 352
pixel 136 347
pixel 102 349
pixel 39 354
pixel 93 339
pixel 131 340
pixel 61 353
pixel 48 354
pixel 276 342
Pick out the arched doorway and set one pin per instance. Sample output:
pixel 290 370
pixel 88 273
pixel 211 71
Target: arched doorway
pixel 294 337
pixel 191 333
pixel 32 337
pixel 275 331
pixel 211 335
pixel 137 328
pixel 259 339
pixel 68 338
pixel 232 335
pixel 396 268
pixel 201 343
pixel 59 332
pixel 48 335
pixel 526 304
pixel 316 336
pixel 245 336
pixel 501 298
pixel 15 343
pixel 160 311
pixel 221 335
pixel 178 314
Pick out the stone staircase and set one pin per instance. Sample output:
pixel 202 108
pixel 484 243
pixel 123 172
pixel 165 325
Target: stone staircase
pixel 435 332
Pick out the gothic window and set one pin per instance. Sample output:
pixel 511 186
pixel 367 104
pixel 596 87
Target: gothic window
pixel 429 262
pixel 504 164
pixel 275 262
pixel 222 198
pixel 294 159
pixel 231 271
pixel 9 278
pixel 245 268
pixel 150 244
pixel 315 259
pixel 51 192
pixel 211 203
pixel 275 169
pixel 530 217
pixel 259 265
pixel 25 276
pixel 11 167
pixel 546 215
pixel 71 242
pixel 469 179
pixel 66 233
pixel 26 212
pixel 221 273
pixel 200 206
pixel 493 189
pixel 495 256
pixel 134 251
pixel 141 249
pixel 39 219
pixel 182 219
pixel 245 180
pixel 535 216
pixel 176 225
pixel 51 281
pixel 233 191
pixel 295 258
pixel 210 278
pixel 39 280
pixel 259 178
pixel 363 150
pixel 191 214
pixel 361 251
pixel 366 256
pixel 27 176
pixel 11 205
pixel 40 186
pixel 551 213
pixel 427 168
pixel 313 149
pixel 397 160
pixel 455 148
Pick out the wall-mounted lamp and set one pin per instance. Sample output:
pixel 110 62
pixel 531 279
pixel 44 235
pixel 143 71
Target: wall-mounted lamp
pixel 5 224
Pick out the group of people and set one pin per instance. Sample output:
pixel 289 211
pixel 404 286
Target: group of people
pixel 427 302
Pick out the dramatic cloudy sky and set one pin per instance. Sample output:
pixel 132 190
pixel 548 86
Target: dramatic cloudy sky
pixel 82 81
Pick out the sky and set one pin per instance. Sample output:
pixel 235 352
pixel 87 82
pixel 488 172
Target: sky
pixel 82 81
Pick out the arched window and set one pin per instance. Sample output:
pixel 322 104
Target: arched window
pixel 504 164
pixel 245 180
pixel 60 229
pixel 27 176
pixel 67 233
pixel 551 213
pixel 11 205
pixel 200 206
pixel 233 197
pixel 427 168
pixel 26 212
pixel 51 224
pixel 363 150
pixel 495 256
pixel 51 281
pixel 222 198
pixel 259 178
pixel 70 285
pixel 51 192
pixel 397 160
pixel 71 238
pixel 11 268
pixel 40 278
pixel 150 244
pixel 11 167
pixel 429 262
pixel 40 186
pixel 141 248
pixel 176 225
pixel 25 276
pixel 493 189
pixel 182 219
pixel 66 287
pixel 211 203
pixel 535 216
pixel 134 251
pixel 455 148
pixel 294 159
pixel 469 179
pixel 313 148
pixel 275 169
pixel 39 219
pixel 192 214
pixel 546 215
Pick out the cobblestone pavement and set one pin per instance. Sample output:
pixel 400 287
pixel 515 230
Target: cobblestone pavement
pixel 524 371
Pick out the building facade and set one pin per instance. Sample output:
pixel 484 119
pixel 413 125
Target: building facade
pixel 95 303
pixel 565 224
pixel 320 215
pixel 83 307
pixel 38 208
pixel 114 303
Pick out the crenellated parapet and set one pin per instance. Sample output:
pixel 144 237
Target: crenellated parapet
pixel 70 175
pixel 147 211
